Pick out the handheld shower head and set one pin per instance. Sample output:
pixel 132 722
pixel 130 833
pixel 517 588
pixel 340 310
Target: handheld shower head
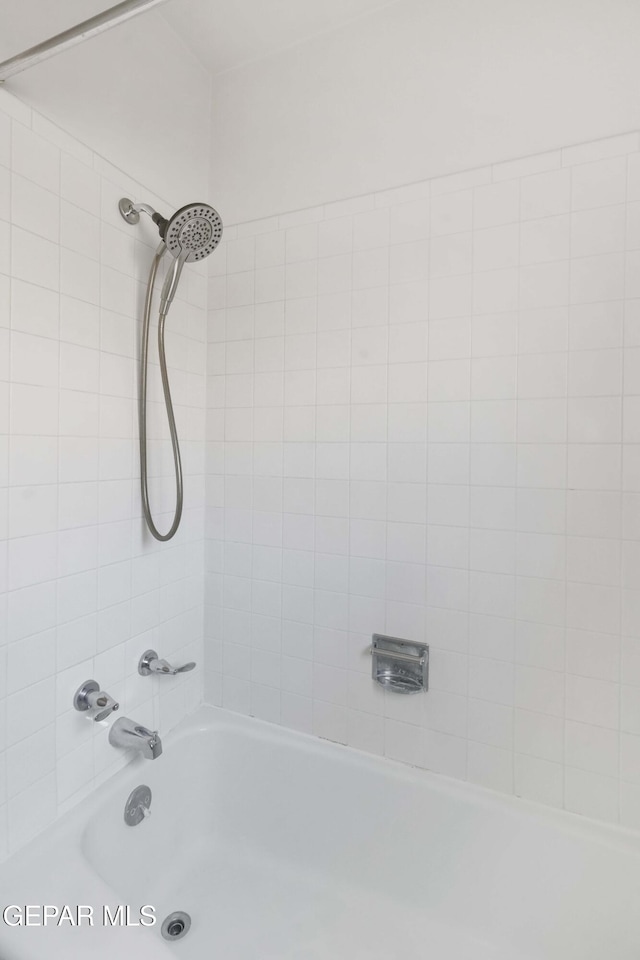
pixel 193 232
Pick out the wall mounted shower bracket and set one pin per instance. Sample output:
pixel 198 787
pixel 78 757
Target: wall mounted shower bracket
pixel 131 211
pixel 128 211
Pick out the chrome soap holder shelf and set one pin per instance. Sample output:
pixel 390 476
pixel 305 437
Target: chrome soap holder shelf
pixel 399 665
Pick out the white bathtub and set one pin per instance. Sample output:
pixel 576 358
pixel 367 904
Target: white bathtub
pixel 281 846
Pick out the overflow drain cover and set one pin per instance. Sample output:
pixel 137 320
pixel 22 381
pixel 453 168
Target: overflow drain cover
pixel 176 925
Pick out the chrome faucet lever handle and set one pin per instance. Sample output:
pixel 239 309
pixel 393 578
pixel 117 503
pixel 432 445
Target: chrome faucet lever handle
pixel 160 666
pixel 90 697
pixel 186 667
pixel 150 663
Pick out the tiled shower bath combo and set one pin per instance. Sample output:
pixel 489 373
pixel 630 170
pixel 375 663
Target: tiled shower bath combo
pixel 320 480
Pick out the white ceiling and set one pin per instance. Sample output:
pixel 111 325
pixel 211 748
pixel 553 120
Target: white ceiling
pixel 227 33
pixel 223 34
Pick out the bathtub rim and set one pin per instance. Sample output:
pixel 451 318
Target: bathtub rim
pixel 208 718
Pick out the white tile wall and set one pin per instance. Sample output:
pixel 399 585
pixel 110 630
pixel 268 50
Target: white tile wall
pixel 83 588
pixel 424 420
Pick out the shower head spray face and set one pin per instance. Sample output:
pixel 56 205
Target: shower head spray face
pixel 193 232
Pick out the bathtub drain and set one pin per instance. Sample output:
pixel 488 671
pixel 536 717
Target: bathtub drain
pixel 176 925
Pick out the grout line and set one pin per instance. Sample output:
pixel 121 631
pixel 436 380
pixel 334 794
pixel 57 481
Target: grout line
pixel 459 173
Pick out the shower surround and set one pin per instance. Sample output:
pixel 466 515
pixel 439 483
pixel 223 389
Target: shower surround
pixel 84 590
pixel 421 412
pixel 424 420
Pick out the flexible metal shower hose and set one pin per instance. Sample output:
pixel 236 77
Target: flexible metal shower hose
pixel 144 363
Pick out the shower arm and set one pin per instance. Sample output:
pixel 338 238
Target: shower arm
pixel 143 208
pixel 74 35
pixel 131 213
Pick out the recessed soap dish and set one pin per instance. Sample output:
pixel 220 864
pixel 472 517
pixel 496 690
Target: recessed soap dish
pixel 399 665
